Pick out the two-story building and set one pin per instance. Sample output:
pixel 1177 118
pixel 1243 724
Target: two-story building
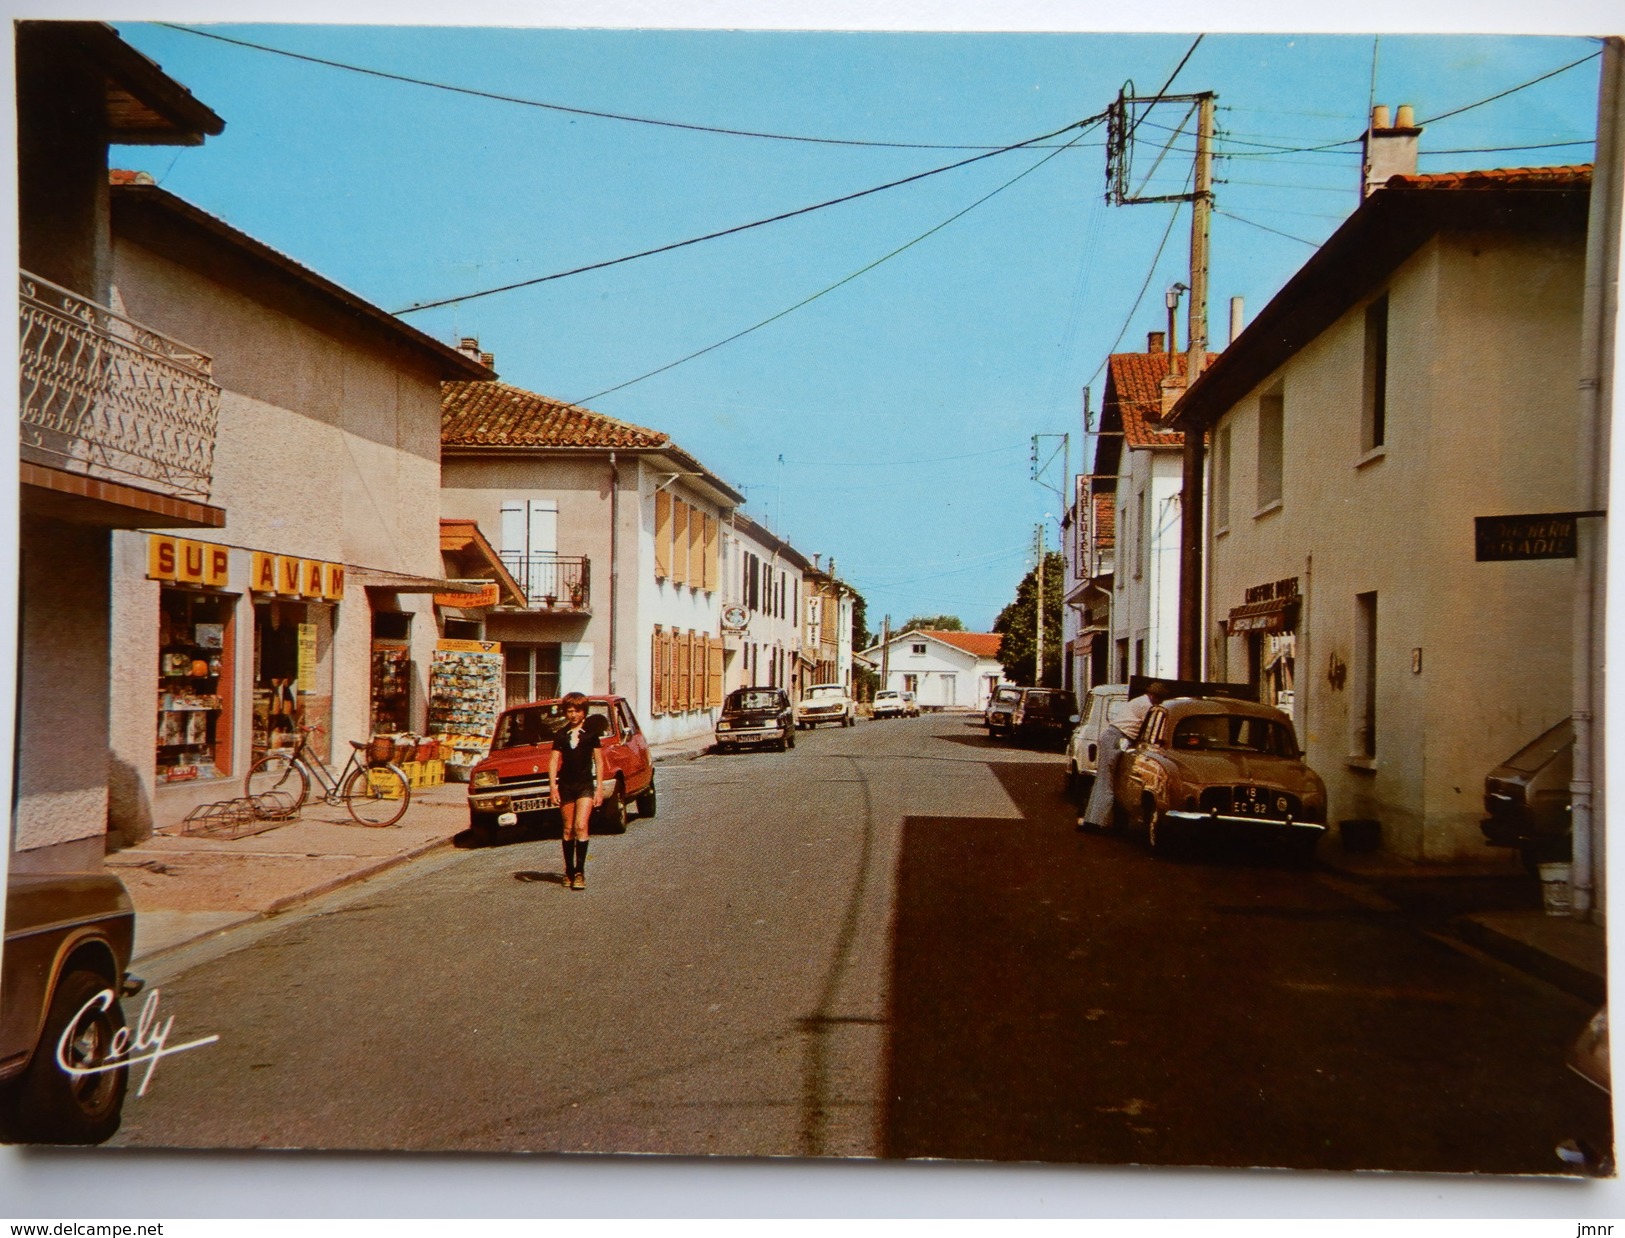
pixel 117 420
pixel 1090 535
pixel 614 535
pixel 827 627
pixel 1419 372
pixel 761 630
pixel 225 642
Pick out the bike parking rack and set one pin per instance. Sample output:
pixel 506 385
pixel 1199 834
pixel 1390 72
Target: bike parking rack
pixel 241 817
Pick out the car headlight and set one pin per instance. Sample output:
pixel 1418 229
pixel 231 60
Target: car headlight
pixel 725 726
pixel 485 778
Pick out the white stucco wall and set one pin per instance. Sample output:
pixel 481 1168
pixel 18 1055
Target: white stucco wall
pixel 1481 420
pixel 1146 603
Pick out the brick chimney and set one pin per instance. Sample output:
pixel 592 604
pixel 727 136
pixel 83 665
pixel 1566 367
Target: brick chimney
pixel 1389 149
pixel 1154 341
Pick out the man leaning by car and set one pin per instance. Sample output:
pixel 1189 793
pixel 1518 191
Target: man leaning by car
pixel 1122 731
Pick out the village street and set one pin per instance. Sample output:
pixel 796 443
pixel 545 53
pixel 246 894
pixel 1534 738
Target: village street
pixel 889 941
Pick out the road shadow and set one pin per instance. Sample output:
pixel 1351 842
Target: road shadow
pixel 1068 997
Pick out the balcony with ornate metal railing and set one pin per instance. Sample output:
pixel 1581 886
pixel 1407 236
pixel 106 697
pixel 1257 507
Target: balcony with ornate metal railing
pixel 107 397
pixel 552 582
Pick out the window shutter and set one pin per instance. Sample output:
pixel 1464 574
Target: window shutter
pixel 668 671
pixel 679 542
pixel 696 548
pixel 657 694
pixel 712 528
pixel 715 676
pixel 662 535
pixel 680 677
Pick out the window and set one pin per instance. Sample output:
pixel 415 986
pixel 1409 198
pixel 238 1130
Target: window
pixel 917 647
pixel 1364 678
pixel 1221 479
pixel 530 672
pixel 1374 398
pixel 530 545
pixel 1139 656
pixel 1271 416
pixel 1122 660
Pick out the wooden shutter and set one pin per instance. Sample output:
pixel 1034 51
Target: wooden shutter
pixel 662 535
pixel 715 675
pixel 657 685
pixel 679 542
pixel 696 548
pixel 712 577
pixel 668 670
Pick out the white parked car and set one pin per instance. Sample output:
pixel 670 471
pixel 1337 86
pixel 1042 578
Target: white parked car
pixel 1083 749
pixel 889 704
pixel 911 707
pixel 826 702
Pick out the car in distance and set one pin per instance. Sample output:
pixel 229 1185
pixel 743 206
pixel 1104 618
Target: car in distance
pixel 1083 748
pixel 1220 768
pixel 1000 706
pixel 1526 798
pixel 68 942
pixel 756 717
pixel 1044 716
pixel 826 702
pixel 511 785
pixel 889 704
pixel 911 706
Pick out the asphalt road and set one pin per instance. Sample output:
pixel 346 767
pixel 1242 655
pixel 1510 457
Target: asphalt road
pixel 888 942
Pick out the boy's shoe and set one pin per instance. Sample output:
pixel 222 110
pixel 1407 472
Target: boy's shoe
pixel 579 881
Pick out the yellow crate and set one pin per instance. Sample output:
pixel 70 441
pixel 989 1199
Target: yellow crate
pixel 434 773
pixel 384 782
pixel 413 771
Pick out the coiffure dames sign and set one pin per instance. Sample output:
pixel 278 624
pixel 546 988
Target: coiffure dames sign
pixel 178 561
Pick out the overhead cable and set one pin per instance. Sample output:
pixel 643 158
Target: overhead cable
pixel 839 283
pixel 772 219
pixel 1265 228
pixel 563 107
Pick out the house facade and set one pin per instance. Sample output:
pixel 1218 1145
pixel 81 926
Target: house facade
pixel 614 536
pixel 827 627
pixel 944 670
pixel 225 642
pixel 1090 535
pixel 1419 372
pixel 117 421
pixel 761 631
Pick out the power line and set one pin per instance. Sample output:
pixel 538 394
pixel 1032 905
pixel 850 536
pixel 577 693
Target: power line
pixel 711 236
pixel 563 107
pixel 1514 90
pixel 1263 227
pixel 1173 218
pixel 826 291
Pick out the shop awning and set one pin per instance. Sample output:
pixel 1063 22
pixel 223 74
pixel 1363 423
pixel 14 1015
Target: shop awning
pixel 1271 615
pixel 472 554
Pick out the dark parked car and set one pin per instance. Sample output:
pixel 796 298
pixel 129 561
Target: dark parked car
pixel 1527 798
pixel 754 717
pixel 1220 768
pixel 68 940
pixel 511 786
pixel 1044 716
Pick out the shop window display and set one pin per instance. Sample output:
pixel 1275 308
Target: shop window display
pixel 194 686
pixel 292 673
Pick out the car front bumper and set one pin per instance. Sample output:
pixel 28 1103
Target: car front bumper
pixel 759 735
pixel 1256 825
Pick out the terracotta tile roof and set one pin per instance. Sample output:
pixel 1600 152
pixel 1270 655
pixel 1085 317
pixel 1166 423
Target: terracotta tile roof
pixel 1566 177
pixel 1134 385
pixel 1105 519
pixel 979 644
pixel 495 414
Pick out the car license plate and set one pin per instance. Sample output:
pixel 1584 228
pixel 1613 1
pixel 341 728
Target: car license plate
pixel 534 803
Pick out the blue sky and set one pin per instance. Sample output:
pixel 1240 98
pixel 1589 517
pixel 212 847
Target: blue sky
pixel 902 403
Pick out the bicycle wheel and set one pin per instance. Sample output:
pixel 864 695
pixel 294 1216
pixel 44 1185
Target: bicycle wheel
pixel 377 795
pixel 276 771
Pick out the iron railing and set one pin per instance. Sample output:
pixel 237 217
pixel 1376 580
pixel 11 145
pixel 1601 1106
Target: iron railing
pixel 552 582
pixel 110 398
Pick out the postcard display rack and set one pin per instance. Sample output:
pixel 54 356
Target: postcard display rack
pixel 465 696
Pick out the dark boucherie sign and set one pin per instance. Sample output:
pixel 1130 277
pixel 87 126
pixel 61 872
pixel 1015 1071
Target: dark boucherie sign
pixel 1548 535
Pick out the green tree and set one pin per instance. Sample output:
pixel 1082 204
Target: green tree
pixel 864 680
pixel 1018 623
pixel 936 623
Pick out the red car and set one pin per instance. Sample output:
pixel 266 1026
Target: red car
pixel 510 786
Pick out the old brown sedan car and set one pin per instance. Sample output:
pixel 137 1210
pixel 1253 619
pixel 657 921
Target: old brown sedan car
pixel 1216 767
pixel 68 940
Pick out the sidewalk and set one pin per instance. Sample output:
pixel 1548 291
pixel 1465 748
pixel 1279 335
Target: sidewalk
pixel 1565 952
pixel 186 887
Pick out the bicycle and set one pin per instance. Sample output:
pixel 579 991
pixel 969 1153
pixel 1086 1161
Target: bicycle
pixel 376 795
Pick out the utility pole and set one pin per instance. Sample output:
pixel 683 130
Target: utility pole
pixel 1038 669
pixel 1191 555
pixel 1123 122
pixel 885 652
